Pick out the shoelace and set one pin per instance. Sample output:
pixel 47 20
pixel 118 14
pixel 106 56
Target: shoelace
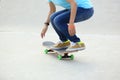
pixel 72 44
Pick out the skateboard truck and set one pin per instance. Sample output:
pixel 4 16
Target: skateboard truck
pixel 60 56
pixel 65 56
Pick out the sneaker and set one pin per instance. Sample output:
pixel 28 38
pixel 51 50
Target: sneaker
pixel 76 46
pixel 61 45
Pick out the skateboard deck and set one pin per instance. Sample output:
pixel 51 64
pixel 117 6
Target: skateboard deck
pixel 61 53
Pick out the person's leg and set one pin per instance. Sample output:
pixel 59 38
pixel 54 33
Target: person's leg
pixel 61 21
pixel 62 37
pixel 64 42
pixel 83 14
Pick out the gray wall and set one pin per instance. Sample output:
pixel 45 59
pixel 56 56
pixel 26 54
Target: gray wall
pixel 32 13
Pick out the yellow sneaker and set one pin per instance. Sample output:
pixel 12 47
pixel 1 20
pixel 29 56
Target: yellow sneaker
pixel 76 46
pixel 61 45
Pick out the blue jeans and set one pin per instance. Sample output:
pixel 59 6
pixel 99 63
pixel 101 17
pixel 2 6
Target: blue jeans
pixel 60 20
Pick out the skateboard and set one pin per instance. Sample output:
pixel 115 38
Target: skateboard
pixel 61 53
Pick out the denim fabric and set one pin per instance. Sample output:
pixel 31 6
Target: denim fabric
pixel 60 20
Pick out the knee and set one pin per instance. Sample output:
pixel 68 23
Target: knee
pixel 58 21
pixel 60 24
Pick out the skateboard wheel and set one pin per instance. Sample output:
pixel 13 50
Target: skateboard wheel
pixel 46 51
pixel 72 57
pixel 59 57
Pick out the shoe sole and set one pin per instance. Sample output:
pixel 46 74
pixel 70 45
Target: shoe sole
pixel 59 48
pixel 75 49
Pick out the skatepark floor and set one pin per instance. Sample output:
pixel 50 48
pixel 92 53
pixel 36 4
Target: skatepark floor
pixel 21 50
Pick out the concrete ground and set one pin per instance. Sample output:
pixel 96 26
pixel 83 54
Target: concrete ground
pixel 21 50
